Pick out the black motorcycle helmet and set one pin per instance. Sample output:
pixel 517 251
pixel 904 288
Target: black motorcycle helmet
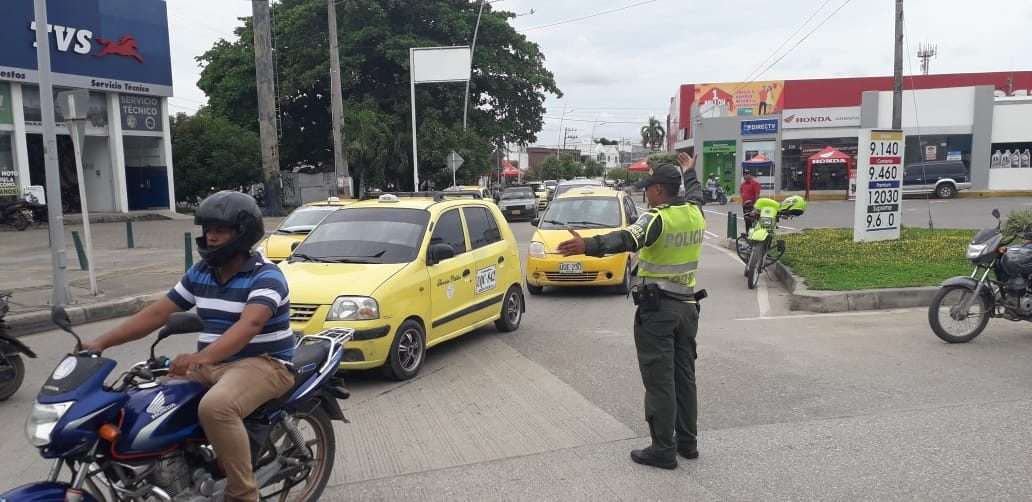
pixel 231 209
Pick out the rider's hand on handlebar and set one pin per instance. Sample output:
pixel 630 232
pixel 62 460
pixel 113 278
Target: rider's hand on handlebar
pixel 183 363
pixel 92 347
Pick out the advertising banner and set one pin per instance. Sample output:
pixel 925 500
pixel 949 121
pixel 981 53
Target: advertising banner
pixel 1011 155
pixel 6 112
pixel 762 126
pixel 879 186
pixel 107 45
pixel 809 118
pixel 97 118
pixel 740 98
pixel 140 113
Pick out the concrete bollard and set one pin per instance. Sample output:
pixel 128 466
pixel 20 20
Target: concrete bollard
pixel 129 241
pixel 188 247
pixel 84 263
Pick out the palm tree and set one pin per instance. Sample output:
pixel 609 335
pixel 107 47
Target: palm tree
pixel 653 134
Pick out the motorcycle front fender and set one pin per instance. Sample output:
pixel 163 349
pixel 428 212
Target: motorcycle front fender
pixel 43 491
pixel 758 234
pixel 17 345
pixel 961 280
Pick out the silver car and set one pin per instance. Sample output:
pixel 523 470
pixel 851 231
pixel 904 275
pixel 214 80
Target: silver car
pixel 518 203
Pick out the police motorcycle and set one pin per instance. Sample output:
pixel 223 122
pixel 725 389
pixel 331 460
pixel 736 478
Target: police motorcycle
pixel 999 286
pixel 12 368
pixel 138 438
pixel 760 248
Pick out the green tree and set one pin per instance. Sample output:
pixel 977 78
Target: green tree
pixel 508 87
pixel 212 153
pixel 604 141
pixel 652 134
pixel 593 169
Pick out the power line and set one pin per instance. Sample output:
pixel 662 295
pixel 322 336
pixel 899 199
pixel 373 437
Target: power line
pixel 798 43
pixel 788 39
pixel 589 16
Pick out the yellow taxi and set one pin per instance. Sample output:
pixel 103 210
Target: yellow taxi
pixel 590 211
pixel 407 273
pixel 483 191
pixel 541 193
pixel 277 246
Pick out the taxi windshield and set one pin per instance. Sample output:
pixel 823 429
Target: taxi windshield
pixel 582 212
pixel 366 235
pixel 304 219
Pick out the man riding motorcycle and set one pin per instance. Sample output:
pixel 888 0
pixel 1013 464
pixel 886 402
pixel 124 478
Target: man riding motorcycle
pixel 243 353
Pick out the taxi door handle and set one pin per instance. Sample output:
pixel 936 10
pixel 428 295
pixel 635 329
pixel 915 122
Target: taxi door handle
pixel 465 273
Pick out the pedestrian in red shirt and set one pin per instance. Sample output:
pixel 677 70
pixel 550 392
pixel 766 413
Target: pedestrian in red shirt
pixel 749 191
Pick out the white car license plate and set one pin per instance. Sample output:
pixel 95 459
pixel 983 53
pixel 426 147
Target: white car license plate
pixel 515 211
pixel 570 268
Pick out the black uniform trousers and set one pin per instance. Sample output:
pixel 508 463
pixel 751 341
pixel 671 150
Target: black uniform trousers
pixel 665 340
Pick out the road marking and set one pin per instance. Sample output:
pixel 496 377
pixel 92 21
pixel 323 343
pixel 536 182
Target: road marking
pixel 713 235
pixel 833 314
pixel 762 299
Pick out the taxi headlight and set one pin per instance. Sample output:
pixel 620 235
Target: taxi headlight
pixel 42 420
pixel 353 308
pixel 537 249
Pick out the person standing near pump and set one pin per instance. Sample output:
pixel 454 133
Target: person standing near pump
pixel 668 239
pixel 749 191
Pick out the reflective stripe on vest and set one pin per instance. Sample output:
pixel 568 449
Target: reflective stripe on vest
pixel 669 286
pixel 674 257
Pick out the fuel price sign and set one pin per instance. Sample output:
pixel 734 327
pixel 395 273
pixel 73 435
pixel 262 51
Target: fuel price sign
pixel 879 185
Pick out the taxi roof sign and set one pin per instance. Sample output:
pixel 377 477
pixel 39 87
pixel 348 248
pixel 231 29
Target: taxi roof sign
pixel 388 197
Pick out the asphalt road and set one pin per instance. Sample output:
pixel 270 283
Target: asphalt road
pixel 861 406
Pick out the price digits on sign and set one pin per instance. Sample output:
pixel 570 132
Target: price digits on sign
pixel 876 220
pixel 878 173
pixel 882 148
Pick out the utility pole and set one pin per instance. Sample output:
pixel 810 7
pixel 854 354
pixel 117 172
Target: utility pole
pixel 267 106
pixel 897 71
pixel 55 222
pixel 340 156
pixel 472 49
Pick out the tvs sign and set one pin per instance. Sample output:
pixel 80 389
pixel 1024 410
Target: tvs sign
pixel 808 118
pixel 83 39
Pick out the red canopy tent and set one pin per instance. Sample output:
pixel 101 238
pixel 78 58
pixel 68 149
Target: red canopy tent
pixel 827 157
pixel 642 166
pixel 509 170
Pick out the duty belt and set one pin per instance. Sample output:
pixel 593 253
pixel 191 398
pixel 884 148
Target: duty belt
pixel 668 286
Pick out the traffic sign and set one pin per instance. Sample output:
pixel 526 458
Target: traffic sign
pixel 879 185
pixel 454 161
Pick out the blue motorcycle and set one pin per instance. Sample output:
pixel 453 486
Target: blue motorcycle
pixel 138 438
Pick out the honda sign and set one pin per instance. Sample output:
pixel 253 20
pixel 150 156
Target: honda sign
pixel 808 118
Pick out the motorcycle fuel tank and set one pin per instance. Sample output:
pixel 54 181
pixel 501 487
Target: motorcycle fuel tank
pixel 160 417
pixel 1017 261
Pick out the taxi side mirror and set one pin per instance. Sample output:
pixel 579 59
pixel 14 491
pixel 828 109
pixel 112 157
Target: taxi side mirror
pixel 438 253
pixel 536 221
pixel 294 246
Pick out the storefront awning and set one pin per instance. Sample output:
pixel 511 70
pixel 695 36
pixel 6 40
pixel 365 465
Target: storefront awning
pixel 827 157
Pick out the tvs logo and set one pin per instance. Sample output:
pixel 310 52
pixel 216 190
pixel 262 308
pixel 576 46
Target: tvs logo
pixel 125 46
pixel 80 41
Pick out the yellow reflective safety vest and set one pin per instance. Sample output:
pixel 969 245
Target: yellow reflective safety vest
pixel 672 260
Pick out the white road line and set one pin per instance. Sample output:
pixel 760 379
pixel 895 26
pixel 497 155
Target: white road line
pixel 835 314
pixel 711 234
pixel 762 299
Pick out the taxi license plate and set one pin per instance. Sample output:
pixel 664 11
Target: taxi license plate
pixel 570 268
pixel 515 211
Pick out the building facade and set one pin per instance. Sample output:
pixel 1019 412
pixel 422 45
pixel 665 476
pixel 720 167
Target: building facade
pixel 119 51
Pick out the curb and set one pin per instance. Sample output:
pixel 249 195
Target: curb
pixel 35 322
pixel 801 298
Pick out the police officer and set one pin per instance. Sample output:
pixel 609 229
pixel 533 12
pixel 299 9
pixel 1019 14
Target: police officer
pixel 668 239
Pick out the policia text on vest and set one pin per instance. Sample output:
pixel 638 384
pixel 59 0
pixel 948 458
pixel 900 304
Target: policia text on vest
pixel 668 239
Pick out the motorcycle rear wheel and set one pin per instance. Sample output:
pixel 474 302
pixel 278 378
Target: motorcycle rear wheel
pixel 945 326
pixel 317 431
pixel 8 388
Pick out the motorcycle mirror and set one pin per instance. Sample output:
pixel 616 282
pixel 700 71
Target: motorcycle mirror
pixel 59 316
pixel 996 213
pixel 179 323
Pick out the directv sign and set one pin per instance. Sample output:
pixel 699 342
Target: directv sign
pixel 103 45
pixel 761 126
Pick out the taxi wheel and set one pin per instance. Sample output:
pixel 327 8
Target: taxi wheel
pixel 625 286
pixel 534 290
pixel 407 352
pixel 512 311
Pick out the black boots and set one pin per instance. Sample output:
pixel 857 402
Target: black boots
pixel 648 456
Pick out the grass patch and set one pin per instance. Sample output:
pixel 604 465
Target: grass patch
pixel 828 259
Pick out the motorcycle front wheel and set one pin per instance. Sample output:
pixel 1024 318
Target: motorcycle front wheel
pixel 755 266
pixel 10 386
pixel 952 325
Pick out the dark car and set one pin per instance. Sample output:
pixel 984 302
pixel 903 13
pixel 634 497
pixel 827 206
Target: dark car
pixel 944 178
pixel 518 202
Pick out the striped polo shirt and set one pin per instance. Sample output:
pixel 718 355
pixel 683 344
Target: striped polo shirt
pixel 219 306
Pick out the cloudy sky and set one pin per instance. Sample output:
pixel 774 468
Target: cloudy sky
pixel 618 68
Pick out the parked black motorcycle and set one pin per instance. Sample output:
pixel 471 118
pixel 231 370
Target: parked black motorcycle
pixel 39 211
pixel 718 196
pixel 16 213
pixel 998 287
pixel 12 368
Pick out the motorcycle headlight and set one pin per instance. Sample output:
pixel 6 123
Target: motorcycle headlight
pixel 537 249
pixel 353 308
pixel 975 250
pixel 42 420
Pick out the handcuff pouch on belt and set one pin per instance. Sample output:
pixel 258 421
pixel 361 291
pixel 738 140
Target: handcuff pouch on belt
pixel 646 297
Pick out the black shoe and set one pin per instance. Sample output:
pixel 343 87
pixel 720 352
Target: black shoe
pixel 648 456
pixel 688 452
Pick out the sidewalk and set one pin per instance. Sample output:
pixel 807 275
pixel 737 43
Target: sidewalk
pixel 126 278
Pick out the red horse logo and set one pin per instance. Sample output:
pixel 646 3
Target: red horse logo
pixel 125 46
